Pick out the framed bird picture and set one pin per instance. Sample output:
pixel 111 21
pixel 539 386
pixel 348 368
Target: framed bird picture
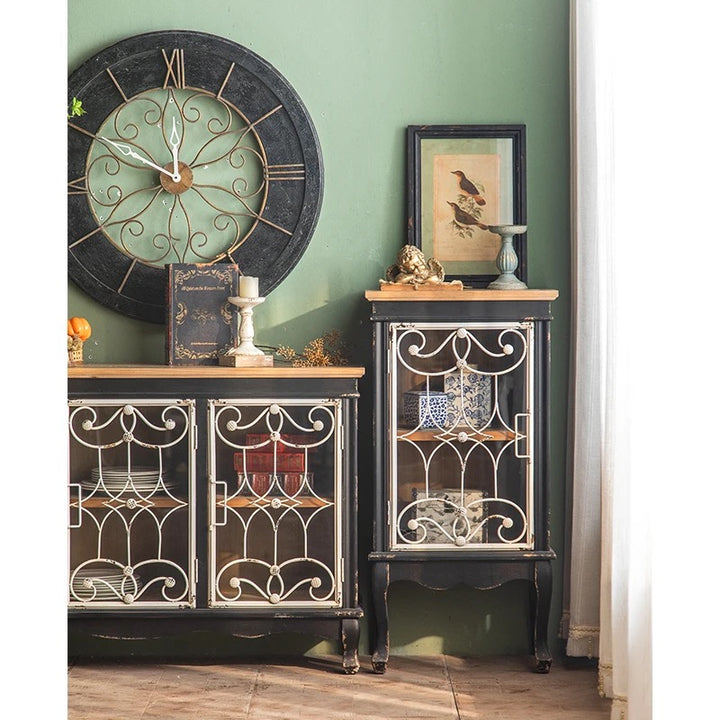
pixel 463 179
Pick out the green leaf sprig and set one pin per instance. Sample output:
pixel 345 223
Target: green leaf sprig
pixel 76 108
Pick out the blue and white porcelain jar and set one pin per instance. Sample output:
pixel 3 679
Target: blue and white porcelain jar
pixel 425 408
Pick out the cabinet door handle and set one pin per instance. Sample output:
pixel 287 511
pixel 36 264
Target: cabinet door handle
pixel 519 436
pixel 79 489
pixel 224 504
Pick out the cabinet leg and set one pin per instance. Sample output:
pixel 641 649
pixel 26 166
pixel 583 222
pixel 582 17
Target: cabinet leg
pixel 380 580
pixel 543 593
pixel 350 638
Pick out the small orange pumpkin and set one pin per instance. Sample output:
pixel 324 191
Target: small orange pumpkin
pixel 79 326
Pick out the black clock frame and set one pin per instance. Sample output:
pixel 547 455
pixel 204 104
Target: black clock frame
pixel 256 88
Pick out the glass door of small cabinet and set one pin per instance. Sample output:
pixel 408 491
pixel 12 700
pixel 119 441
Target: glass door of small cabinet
pixel 275 503
pixel 461 446
pixel 131 506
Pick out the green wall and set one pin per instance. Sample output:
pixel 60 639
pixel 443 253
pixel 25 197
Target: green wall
pixel 366 69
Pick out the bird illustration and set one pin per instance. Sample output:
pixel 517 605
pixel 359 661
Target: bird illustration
pixel 468 188
pixel 465 218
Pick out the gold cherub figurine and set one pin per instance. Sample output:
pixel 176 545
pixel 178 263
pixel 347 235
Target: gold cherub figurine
pixel 412 269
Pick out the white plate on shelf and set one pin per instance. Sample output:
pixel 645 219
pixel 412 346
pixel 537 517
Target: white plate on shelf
pixel 115 480
pixel 107 584
pixel 121 473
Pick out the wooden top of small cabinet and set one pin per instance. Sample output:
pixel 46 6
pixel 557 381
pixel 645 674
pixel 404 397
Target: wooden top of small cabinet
pixel 98 370
pixel 413 293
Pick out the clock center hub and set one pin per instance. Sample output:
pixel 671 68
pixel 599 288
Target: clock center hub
pixel 185 182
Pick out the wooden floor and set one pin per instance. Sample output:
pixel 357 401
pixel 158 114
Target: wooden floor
pixel 432 688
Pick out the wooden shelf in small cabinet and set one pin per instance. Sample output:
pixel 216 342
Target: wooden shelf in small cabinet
pixel 433 435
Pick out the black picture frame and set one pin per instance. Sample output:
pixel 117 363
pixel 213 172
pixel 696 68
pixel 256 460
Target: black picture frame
pixel 496 154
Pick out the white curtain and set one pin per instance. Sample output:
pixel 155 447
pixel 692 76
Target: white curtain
pixel 607 589
pixel 645 390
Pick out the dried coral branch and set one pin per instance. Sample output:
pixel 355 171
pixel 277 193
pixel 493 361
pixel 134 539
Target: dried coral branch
pixel 328 349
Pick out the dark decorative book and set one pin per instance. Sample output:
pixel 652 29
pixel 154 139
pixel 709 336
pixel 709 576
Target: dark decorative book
pixel 254 461
pixel 201 323
pixel 263 439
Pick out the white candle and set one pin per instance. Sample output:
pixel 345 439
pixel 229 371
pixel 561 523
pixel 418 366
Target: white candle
pixel 248 287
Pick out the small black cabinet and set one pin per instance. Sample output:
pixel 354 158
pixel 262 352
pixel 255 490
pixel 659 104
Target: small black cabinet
pixel 212 498
pixel 461 446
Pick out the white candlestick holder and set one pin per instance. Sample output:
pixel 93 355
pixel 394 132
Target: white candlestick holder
pixel 245 354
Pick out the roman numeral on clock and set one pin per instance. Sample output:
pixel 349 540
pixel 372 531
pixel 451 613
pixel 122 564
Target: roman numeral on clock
pixel 116 84
pixel 127 275
pixel 175 68
pixel 292 171
pixel 78 186
pixel 224 82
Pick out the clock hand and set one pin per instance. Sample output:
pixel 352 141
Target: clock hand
pixel 175 144
pixel 129 152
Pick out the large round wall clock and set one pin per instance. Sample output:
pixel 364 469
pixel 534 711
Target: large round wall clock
pixel 192 149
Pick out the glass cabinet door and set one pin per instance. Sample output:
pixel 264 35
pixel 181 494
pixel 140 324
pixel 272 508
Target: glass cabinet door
pixel 275 497
pixel 131 503
pixel 461 447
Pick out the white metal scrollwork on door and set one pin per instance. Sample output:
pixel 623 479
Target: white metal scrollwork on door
pixel 275 483
pixel 131 503
pixel 461 407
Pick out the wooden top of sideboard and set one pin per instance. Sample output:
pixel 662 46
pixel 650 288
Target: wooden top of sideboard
pixel 97 370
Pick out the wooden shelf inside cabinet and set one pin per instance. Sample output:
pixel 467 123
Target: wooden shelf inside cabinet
pixel 430 435
pixel 159 501
pixel 300 501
